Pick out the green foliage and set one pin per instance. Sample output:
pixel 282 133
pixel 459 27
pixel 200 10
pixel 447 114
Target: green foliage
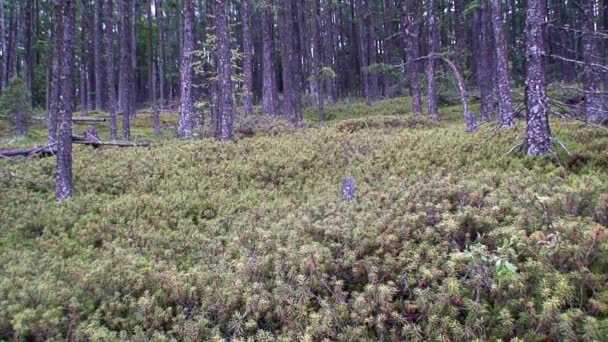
pixel 16 106
pixel 448 239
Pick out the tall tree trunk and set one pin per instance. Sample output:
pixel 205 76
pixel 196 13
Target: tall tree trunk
pixel 108 18
pixel 296 61
pixel 373 50
pixel 185 103
pixel 485 63
pixel 285 28
pixel 317 56
pixel 63 187
pixel 161 52
pixel 269 106
pixel 594 108
pixel 3 61
pixel 430 68
pixel 327 39
pixel 247 59
pixel 538 132
pixel 505 105
pixel 410 36
pixel 152 71
pixel 363 51
pixel 97 56
pixel 12 42
pixel 222 26
pixel 133 55
pixel 126 74
pixel 57 37
pixel 84 72
pixel 29 61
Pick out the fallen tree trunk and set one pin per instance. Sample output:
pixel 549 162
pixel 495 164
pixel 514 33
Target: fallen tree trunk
pixel 88 119
pixel 46 150
pixel 115 144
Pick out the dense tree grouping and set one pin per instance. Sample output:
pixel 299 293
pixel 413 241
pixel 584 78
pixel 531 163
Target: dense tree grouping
pixel 214 60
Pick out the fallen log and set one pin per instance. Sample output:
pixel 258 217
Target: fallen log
pixel 46 150
pixel 87 119
pixel 82 141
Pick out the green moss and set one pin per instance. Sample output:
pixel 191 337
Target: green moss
pixel 448 238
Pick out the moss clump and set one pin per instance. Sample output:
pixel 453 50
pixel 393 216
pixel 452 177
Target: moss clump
pixel 447 238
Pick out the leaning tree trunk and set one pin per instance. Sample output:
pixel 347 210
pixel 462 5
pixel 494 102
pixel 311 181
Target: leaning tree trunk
pixel 269 100
pixel 126 74
pixel 185 102
pixel 538 132
pixel 247 59
pixel 430 67
pixel 410 37
pixel 594 111
pixel 226 117
pixel 505 105
pixel 152 72
pixel 63 187
pixel 108 19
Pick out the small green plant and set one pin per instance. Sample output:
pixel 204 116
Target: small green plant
pixel 16 107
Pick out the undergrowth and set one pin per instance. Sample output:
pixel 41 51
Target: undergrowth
pixel 447 239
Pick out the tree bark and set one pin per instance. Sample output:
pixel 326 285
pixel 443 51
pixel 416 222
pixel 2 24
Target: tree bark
pixel 152 72
pixel 97 55
pixel 410 37
pixel 269 100
pixel 372 50
pixel 161 53
pixel 185 107
pixel 247 59
pixel 12 42
pixel 538 132
pixel 63 186
pixel 108 17
pixel 3 61
pixel 505 105
pixel 430 67
pixel 285 28
pixel 485 63
pixel 226 115
pixel 296 62
pixel 594 108
pixel 57 37
pixel 126 74
pixel 29 61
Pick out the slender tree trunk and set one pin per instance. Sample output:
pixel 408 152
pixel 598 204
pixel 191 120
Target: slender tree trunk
pixel 296 62
pixel 222 26
pixel 538 132
pixel 285 28
pixel 410 37
pixel 430 68
pixel 63 188
pixel 12 42
pixel 505 105
pixel 108 18
pixel 133 55
pixel 594 108
pixel 269 106
pixel 185 108
pixel 247 59
pixel 373 50
pixel 152 71
pixel 57 37
pixel 126 74
pixel 3 61
pixel 363 52
pixel 161 52
pixel 97 56
pixel 84 72
pixel 485 63
pixel 29 61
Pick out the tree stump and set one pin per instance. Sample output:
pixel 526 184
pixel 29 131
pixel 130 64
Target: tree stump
pixel 349 190
pixel 91 135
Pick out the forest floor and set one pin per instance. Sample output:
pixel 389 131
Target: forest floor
pixel 448 238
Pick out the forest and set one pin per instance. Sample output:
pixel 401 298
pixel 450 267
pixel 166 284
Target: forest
pixel 303 170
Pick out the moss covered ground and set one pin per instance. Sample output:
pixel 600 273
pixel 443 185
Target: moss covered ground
pixel 448 239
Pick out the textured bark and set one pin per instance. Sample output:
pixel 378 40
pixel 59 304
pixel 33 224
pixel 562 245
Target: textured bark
pixel 97 55
pixel 505 105
pixel 84 72
pixel 537 129
pixel 410 37
pixel 317 57
pixel 12 41
pixel 57 37
pixel 109 54
pixel 327 39
pixel 372 50
pixel 63 186
pixel 363 52
pixel 296 62
pixel 430 66
pixel 285 28
pixel 152 71
pixel 161 52
pixel 133 55
pixel 459 33
pixel 126 76
pixel 594 108
pixel 185 103
pixel 28 58
pixel 247 59
pixel 485 63
pixel 469 118
pixel 226 116
pixel 269 97
pixel 3 78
